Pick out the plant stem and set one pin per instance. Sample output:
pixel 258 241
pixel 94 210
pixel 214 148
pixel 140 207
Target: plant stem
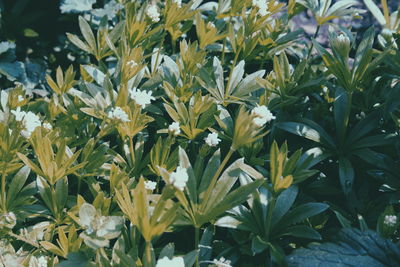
pixel 312 44
pixel 131 151
pixel 228 85
pixel 196 243
pixel 224 44
pixel 3 187
pixel 148 259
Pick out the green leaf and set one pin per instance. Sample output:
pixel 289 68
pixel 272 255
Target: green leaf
pixel 341 112
pixel 302 212
pixel 233 199
pixel 87 33
pixel 283 203
pixel 167 251
pixel 302 231
pixel 375 11
pixel 346 175
pixel 62 192
pixel 17 183
pixel 76 259
pixel 351 247
pixel 205 246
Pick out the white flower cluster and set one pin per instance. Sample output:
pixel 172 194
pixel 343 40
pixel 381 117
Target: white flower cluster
pixel 47 126
pixel 141 98
pixel 343 39
pixel 110 10
pixel 152 13
pixel 174 128
pixel 8 220
pixel 174 262
pixel 118 114
pixel 222 262
pixel 179 178
pixel 29 120
pixel 262 7
pixel 390 220
pixel 212 139
pixel 150 185
pixel 178 2
pixel 98 229
pixel 263 115
pixel 76 6
pixel 38 261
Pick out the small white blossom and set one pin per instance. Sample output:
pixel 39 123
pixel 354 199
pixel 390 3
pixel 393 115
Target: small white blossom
pixel 150 185
pixel 19 115
pixel 38 261
pixel 20 98
pixel 152 13
pixel 141 98
pixel 47 126
pixel 174 128
pixel 131 63
pixel 390 220
pixel 110 10
pixel 119 114
pixel 262 7
pixel 178 2
pixel 8 220
pixel 263 115
pixel 343 39
pixel 222 262
pixel 174 262
pixel 179 178
pixel 30 122
pixel 76 6
pixel 210 25
pixel 212 139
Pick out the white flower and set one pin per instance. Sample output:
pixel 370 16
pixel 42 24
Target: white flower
pixel 343 39
pixel 30 122
pixel 47 126
pixel 141 98
pixel 150 185
pixel 210 25
pixel 262 7
pixel 5 46
pixel 131 63
pixel 222 262
pixel 390 220
pixel 118 114
pixel 19 115
pixel 152 13
pixel 166 262
pixel 38 261
pixel 8 220
pixel 179 178
pixel 212 139
pixel 20 98
pixel 76 6
pixel 263 115
pixel 174 128
pixel 178 2
pixel 110 10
